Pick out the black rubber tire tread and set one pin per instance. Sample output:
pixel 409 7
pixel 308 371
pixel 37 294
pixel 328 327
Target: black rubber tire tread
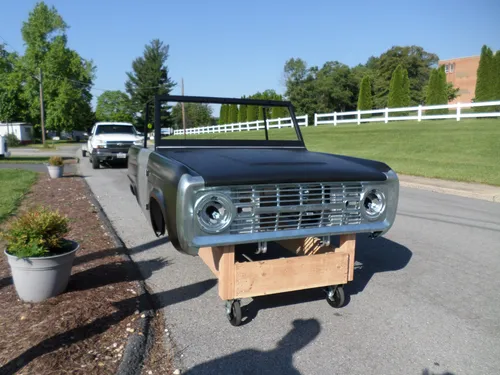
pixel 338 298
pixel 95 163
pixel 235 316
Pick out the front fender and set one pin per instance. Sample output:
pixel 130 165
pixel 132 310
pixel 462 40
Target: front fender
pixel 157 195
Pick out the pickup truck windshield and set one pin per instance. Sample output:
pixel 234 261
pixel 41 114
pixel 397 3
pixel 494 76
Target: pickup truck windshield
pixel 115 129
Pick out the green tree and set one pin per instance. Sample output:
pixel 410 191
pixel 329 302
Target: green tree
pixel 333 87
pixel 405 98
pixel 227 114
pixel 67 77
pixel 252 113
pixel 405 93
pixel 12 106
pixel 437 91
pixel 418 63
pixel 398 90
pixel 279 112
pixel 150 77
pixel 233 114
pixel 432 89
pixel 242 113
pixel 496 63
pixel 486 82
pixel 443 87
pixel 222 114
pixel 336 87
pixel 453 92
pixel 260 115
pixel 365 95
pixel 114 106
pixel 301 88
pixel 196 115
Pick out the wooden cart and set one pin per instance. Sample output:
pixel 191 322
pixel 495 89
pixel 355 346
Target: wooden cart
pixel 312 265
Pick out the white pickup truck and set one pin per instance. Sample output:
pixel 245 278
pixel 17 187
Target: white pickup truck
pixel 110 141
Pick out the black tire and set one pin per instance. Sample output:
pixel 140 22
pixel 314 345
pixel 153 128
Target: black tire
pixel 95 163
pixel 338 298
pixel 84 153
pixel 235 315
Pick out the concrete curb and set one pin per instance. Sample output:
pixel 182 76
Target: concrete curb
pixel 138 345
pixel 474 191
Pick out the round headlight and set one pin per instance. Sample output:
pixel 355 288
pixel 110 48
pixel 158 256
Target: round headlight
pixel 373 204
pixel 214 212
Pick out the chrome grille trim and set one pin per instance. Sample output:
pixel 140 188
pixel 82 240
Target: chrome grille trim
pixel 272 208
pixel 120 144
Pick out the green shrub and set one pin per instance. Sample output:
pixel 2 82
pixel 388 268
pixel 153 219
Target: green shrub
pixel 399 90
pixel 437 91
pixel 12 140
pixel 36 233
pixel 485 90
pixel 56 161
pixel 365 101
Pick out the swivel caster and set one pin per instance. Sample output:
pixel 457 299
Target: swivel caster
pixel 233 312
pixel 335 296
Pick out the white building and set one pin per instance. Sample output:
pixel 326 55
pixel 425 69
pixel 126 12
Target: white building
pixel 22 130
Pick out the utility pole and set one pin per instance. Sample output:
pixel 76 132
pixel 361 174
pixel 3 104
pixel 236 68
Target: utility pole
pixel 41 107
pixel 183 112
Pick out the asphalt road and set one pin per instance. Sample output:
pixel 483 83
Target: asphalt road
pixel 425 298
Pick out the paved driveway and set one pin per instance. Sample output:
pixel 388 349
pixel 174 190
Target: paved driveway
pixel 425 298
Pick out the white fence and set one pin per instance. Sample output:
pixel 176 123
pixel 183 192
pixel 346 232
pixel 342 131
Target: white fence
pixel 246 126
pixel 336 118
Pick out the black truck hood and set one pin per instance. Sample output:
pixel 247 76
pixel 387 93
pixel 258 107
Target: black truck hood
pixel 226 166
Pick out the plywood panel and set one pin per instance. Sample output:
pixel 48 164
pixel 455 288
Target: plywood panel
pixel 288 274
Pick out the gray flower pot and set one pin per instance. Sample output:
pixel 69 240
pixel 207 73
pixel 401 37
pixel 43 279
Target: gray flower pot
pixel 40 278
pixel 55 171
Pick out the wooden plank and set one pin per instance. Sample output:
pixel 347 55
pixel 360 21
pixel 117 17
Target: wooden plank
pixel 289 274
pixel 211 256
pixel 226 273
pixel 348 246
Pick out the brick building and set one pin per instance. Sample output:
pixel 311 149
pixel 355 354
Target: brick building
pixel 462 72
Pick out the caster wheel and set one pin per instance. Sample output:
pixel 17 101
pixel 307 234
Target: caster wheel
pixel 234 313
pixel 336 297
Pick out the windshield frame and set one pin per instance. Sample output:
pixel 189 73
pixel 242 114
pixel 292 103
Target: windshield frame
pixel 220 143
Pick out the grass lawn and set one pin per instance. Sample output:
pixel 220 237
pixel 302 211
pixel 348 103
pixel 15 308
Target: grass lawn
pixel 33 160
pixel 49 144
pixel 25 160
pixel 14 183
pixel 466 150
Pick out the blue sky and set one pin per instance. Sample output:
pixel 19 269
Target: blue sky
pixel 234 48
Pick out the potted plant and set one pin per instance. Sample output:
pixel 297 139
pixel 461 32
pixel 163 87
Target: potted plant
pixel 56 166
pixel 39 255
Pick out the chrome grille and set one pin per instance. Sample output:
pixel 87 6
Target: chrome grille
pixel 265 208
pixel 121 144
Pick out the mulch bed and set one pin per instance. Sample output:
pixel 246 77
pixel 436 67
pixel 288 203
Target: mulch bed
pixel 85 329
